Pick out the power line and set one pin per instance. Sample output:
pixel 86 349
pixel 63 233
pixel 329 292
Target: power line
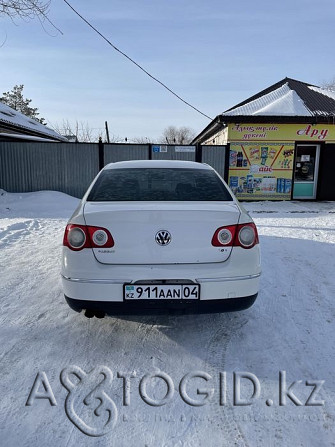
pixel 137 65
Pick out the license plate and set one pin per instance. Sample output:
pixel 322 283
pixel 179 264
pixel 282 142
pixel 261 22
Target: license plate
pixel 161 292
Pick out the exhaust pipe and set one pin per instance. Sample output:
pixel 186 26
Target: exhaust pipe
pixel 89 313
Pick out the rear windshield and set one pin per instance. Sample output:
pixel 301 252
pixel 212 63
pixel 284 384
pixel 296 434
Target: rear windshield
pixel 158 184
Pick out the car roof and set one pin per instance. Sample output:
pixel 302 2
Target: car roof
pixel 133 164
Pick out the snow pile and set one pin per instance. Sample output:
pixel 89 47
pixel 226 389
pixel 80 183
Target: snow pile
pixel 36 204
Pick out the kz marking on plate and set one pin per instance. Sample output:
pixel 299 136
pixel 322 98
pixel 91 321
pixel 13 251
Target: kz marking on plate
pixel 161 292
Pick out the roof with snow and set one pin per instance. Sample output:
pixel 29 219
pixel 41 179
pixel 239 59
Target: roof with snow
pixel 287 101
pixel 14 124
pixel 287 98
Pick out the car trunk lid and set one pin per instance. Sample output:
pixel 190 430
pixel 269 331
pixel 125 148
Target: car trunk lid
pixel 138 231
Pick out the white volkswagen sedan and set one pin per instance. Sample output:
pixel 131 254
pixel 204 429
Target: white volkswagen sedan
pixel 159 235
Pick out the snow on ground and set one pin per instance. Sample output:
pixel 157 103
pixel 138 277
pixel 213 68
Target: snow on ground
pixel 290 328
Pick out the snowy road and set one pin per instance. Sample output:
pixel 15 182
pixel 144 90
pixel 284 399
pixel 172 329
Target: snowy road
pixel 290 328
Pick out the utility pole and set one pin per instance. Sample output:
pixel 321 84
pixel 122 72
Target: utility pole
pixel 107 132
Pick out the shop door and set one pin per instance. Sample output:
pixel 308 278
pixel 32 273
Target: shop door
pixel 306 171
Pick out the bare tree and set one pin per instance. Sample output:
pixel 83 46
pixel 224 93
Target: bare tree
pixel 114 139
pixel 82 132
pixel 86 134
pixel 27 9
pixel 142 140
pixel 79 131
pixel 329 85
pixel 177 135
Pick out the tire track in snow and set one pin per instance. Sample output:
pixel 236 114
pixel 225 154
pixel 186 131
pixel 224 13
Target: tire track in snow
pixel 295 346
pixel 135 339
pixel 227 325
pixel 15 232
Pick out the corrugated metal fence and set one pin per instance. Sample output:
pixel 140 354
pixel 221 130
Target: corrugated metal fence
pixel 215 156
pixel 125 152
pixel 65 167
pixel 71 167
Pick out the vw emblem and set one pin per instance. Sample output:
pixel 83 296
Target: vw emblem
pixel 163 237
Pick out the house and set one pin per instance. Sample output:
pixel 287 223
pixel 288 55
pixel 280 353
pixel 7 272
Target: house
pixel 281 143
pixel 16 126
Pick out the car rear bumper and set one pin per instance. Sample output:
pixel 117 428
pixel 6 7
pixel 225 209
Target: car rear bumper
pixel 88 281
pixel 163 306
pixel 214 293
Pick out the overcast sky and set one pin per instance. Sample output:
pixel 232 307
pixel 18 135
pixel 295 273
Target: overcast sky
pixel 213 53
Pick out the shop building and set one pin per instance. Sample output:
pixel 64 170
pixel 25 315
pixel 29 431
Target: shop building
pixel 281 143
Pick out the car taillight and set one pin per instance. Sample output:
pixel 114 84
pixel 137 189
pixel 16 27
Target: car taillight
pixel 224 236
pixel 99 237
pixel 242 235
pixel 247 235
pixel 77 237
